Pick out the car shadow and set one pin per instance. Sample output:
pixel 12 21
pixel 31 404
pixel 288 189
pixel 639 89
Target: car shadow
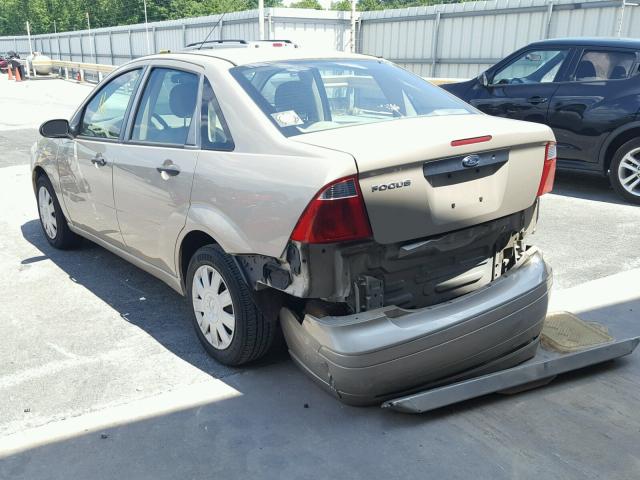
pixel 271 431
pixel 146 302
pixel 138 297
pixel 585 186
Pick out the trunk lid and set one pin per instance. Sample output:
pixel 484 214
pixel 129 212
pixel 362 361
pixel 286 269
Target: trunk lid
pixel 414 182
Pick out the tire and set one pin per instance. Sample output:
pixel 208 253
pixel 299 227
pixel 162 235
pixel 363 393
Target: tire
pixel 212 304
pixel 624 172
pixel 54 224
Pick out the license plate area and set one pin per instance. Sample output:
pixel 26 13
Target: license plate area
pixel 464 168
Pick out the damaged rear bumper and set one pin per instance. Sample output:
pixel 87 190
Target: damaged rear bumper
pixel 372 356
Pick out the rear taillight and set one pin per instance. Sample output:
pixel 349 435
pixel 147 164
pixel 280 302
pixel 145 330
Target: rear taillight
pixel 548 169
pixel 337 214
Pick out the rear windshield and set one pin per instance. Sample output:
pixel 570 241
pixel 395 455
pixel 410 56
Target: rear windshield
pixel 309 96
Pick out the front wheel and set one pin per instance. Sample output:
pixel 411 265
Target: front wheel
pixel 227 321
pixel 624 172
pixel 54 225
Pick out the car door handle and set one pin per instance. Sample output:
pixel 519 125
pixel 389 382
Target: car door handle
pixel 98 160
pixel 169 168
pixel 536 100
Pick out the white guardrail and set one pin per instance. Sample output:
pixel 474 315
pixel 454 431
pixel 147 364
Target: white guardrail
pixel 95 72
pixel 78 71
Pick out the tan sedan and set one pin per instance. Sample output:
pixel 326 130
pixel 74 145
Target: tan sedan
pixel 379 221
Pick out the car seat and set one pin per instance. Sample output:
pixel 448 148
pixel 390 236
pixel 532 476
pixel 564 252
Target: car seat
pixel 586 71
pixel 182 101
pixel 618 73
pixel 298 96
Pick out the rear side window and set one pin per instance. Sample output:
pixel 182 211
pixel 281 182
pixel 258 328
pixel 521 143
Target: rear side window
pixel 104 115
pixel 167 107
pixel 215 133
pixel 604 65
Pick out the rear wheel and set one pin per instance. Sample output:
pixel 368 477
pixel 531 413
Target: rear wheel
pixel 54 225
pixel 228 323
pixel 624 172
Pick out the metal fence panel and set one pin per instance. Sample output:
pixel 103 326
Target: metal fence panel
pixel 448 40
pixel 463 39
pixel 116 45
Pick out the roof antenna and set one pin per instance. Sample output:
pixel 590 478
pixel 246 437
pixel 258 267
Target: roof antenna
pixel 212 30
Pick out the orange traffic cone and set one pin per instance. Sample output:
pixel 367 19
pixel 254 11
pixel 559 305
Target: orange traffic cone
pixel 18 79
pixel 10 72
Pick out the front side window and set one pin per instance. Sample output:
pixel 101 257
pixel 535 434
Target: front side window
pixel 167 107
pixel 104 115
pixel 308 96
pixel 603 65
pixel 539 66
pixel 215 133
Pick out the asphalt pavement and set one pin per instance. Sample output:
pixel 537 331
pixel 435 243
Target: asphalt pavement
pixel 102 376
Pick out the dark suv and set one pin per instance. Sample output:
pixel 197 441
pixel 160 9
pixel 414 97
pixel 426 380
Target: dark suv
pixel 586 89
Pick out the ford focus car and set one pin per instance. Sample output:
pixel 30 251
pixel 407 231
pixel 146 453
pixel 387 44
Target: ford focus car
pixel 376 220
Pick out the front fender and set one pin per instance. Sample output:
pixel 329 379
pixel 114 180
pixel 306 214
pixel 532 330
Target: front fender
pixel 44 155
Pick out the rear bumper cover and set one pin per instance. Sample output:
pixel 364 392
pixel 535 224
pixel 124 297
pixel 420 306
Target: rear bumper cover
pixel 375 355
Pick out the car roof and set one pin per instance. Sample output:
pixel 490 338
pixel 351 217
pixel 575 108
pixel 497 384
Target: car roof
pixel 246 56
pixel 591 42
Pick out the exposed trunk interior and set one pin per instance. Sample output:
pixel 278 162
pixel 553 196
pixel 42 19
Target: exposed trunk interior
pixel 361 276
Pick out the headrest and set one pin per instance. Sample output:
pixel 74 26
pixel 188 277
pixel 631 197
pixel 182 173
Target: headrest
pixel 585 70
pixel 618 72
pixel 182 99
pixel 298 96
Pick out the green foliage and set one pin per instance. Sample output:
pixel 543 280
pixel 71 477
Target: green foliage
pixel 344 5
pixel 71 14
pixel 366 5
pixel 313 4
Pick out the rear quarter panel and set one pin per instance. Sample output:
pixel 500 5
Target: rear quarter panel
pixel 250 203
pixel 584 114
pixel 249 200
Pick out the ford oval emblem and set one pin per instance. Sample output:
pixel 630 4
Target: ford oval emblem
pixel 471 161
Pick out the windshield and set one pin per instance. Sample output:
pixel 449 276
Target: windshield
pixel 312 95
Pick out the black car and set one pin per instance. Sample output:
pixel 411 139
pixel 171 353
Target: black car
pixel 586 89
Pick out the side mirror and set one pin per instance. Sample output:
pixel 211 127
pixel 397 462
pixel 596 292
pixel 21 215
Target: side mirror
pixel 483 79
pixel 58 128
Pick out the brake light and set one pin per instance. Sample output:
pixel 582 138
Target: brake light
pixel 548 169
pixel 336 214
pixel 470 141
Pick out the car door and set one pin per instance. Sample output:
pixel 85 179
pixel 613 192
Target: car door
pixel 154 169
pixel 86 162
pixel 522 87
pixel 599 96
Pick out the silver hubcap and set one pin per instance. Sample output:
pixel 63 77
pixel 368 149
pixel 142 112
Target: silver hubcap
pixel 213 307
pixel 629 172
pixel 47 213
